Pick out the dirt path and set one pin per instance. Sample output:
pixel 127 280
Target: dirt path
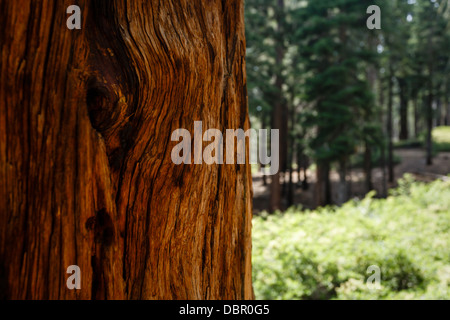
pixel 412 161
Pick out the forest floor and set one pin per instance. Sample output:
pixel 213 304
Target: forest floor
pixel 412 161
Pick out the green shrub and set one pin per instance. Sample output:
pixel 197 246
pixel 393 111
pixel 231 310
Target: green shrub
pixel 324 254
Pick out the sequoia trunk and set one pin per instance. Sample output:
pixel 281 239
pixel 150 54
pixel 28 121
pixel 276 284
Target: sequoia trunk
pixel 86 176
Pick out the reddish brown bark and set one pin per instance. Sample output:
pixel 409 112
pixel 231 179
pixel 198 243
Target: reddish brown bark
pixel 86 175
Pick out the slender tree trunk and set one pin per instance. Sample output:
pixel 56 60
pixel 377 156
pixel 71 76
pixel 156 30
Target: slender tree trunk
pixel 323 184
pixel 291 189
pixel 372 78
pixel 302 163
pixel 350 180
pixel 343 186
pixel 290 195
pixel 262 166
pixel 277 119
pixel 284 137
pixel 305 166
pixel 86 176
pixel 275 186
pixel 389 127
pixel 368 166
pixel 429 117
pixel 447 109
pixel 439 113
pixel 383 146
pixel 299 161
pixel 416 116
pixel 383 171
pixel 403 135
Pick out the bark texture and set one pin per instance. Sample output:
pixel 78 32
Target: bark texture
pixel 86 176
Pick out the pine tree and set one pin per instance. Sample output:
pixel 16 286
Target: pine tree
pixel 333 53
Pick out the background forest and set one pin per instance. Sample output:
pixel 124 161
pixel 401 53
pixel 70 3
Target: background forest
pixel 364 119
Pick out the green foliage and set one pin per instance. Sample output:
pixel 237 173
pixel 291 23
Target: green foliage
pixel 325 254
pixel 336 54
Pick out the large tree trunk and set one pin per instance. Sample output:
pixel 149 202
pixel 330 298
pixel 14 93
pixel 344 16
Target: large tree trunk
pixel 86 176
